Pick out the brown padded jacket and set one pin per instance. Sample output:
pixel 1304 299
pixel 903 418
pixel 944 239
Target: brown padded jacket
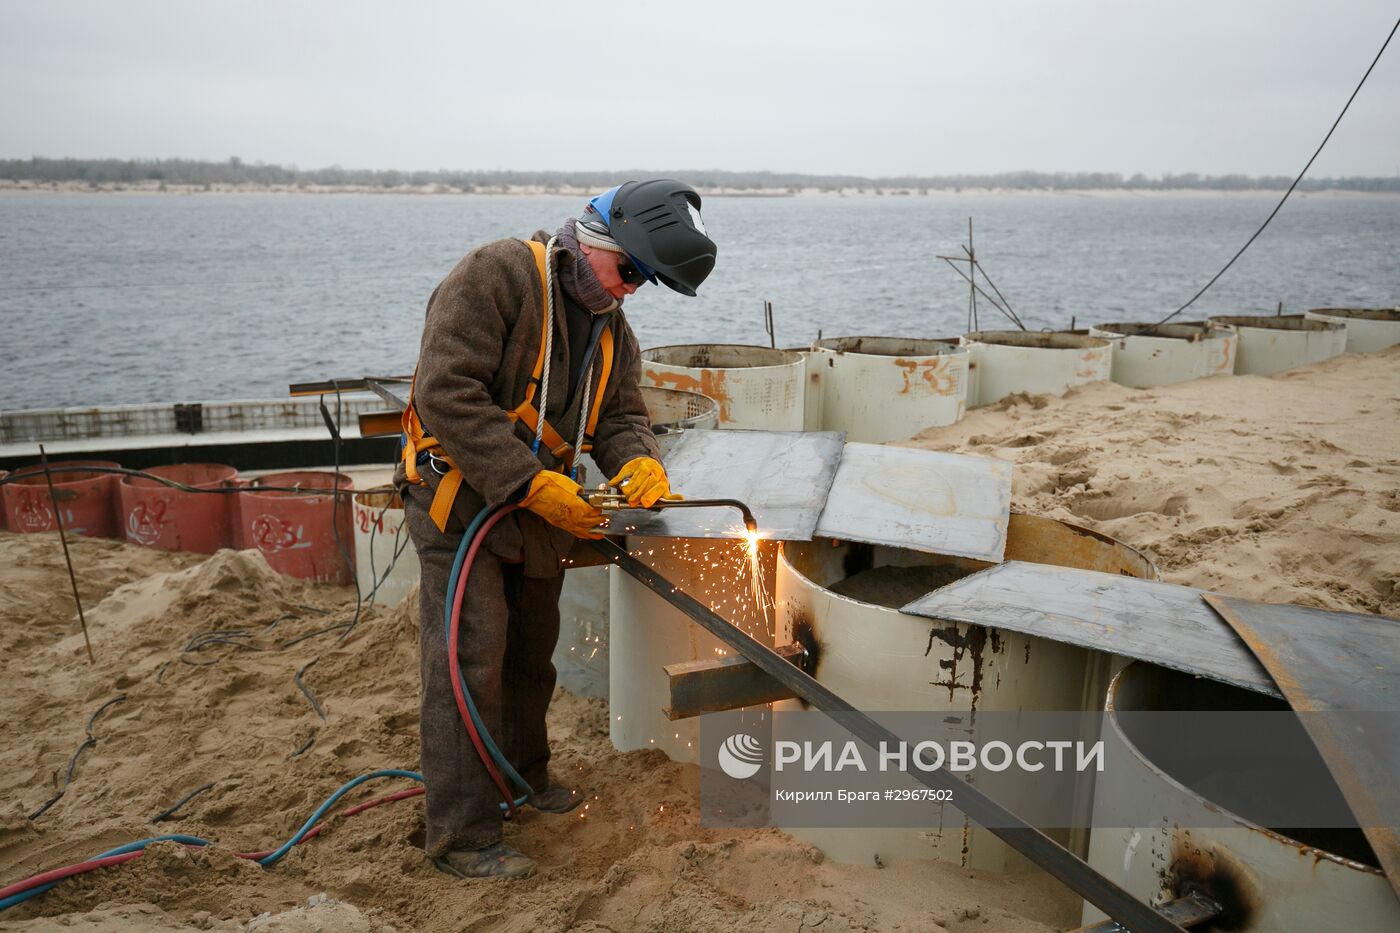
pixel 480 339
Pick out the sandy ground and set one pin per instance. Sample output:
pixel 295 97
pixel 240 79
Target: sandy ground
pixel 1285 488
pixel 1281 489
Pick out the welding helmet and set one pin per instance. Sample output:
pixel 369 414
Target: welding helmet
pixel 657 223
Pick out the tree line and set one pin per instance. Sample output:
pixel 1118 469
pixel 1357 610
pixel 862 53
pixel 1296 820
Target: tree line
pixel 234 171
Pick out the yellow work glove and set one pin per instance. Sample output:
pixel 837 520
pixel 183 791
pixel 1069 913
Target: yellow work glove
pixel 643 480
pixel 555 498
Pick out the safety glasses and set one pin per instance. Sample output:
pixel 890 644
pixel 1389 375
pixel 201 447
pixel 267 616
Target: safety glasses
pixel 630 274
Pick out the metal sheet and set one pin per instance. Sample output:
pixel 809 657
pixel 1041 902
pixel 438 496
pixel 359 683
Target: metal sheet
pixel 1160 623
pixel 784 478
pixel 1338 662
pixel 920 499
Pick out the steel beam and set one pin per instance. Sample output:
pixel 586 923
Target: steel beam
pixel 729 683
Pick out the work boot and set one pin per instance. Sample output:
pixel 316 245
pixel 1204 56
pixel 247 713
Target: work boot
pixel 556 799
pixel 494 861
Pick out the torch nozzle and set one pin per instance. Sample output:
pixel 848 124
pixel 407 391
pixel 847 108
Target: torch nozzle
pixel 608 500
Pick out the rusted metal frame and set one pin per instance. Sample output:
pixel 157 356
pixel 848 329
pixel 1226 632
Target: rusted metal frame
pixel 1360 679
pixel 1189 911
pixel 380 423
pixel 1055 860
pixel 376 384
pixel 729 683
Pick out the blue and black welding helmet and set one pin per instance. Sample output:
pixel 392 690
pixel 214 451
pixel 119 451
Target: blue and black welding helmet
pixel 657 223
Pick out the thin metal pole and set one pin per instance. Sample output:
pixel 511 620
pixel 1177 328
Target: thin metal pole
pixel 67 558
pixel 972 280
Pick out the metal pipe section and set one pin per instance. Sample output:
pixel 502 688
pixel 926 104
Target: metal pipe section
pixel 1263 879
pixel 844 598
pixel 1273 344
pixel 759 388
pixel 386 563
pixel 879 389
pixel 1153 355
pixel 1005 362
pixel 1368 329
pixel 1030 842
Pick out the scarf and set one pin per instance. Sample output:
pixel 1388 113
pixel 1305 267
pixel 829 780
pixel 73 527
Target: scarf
pixel 577 278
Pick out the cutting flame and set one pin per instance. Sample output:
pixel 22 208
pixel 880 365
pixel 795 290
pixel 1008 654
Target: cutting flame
pixel 750 537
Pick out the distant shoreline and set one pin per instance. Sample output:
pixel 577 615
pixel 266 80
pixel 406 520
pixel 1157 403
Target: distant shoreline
pixel 10 186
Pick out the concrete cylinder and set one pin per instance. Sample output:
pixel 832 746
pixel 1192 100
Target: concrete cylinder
pixel 88 501
pixel 879 389
pixel 158 516
pixel 843 598
pixel 1368 329
pixel 302 535
pixel 758 388
pixel 1274 344
pixel 1266 879
pixel 1009 361
pixel 1146 354
pixel 386 564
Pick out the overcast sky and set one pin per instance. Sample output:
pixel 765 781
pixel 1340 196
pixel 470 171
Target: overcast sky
pixel 865 87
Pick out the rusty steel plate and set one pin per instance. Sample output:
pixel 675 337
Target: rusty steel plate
pixel 783 476
pixel 1338 662
pixel 1160 623
pixel 924 500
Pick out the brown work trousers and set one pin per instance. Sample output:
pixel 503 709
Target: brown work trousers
pixel 507 632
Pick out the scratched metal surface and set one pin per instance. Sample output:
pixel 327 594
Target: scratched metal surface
pixel 1338 662
pixel 782 476
pixel 920 499
pixel 1160 623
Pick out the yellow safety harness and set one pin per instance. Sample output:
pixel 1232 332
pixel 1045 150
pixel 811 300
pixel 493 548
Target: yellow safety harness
pixel 420 442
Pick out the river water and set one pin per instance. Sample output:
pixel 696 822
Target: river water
pixel 124 298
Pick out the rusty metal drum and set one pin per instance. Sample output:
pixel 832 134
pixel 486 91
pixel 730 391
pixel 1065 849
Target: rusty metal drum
pixel 304 535
pixel 159 516
pixel 87 501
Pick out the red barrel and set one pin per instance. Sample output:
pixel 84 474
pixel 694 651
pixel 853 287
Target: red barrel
pixel 158 516
pixel 297 532
pixel 87 500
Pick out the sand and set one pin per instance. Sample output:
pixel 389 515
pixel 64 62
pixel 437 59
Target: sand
pixel 1283 488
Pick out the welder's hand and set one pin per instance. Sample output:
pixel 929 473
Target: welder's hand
pixel 555 498
pixel 643 480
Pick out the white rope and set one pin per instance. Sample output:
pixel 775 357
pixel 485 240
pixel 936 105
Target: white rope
pixel 583 414
pixel 548 341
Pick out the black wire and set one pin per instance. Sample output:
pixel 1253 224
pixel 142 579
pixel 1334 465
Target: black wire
pixel 164 815
pixel 306 691
pixel 335 508
pixel 89 742
pixel 310 740
pixel 1280 204
pixel 27 473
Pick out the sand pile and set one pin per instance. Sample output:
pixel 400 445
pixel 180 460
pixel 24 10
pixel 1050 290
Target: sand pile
pixel 1283 488
pixel 228 712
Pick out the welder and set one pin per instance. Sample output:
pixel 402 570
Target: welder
pixel 526 360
